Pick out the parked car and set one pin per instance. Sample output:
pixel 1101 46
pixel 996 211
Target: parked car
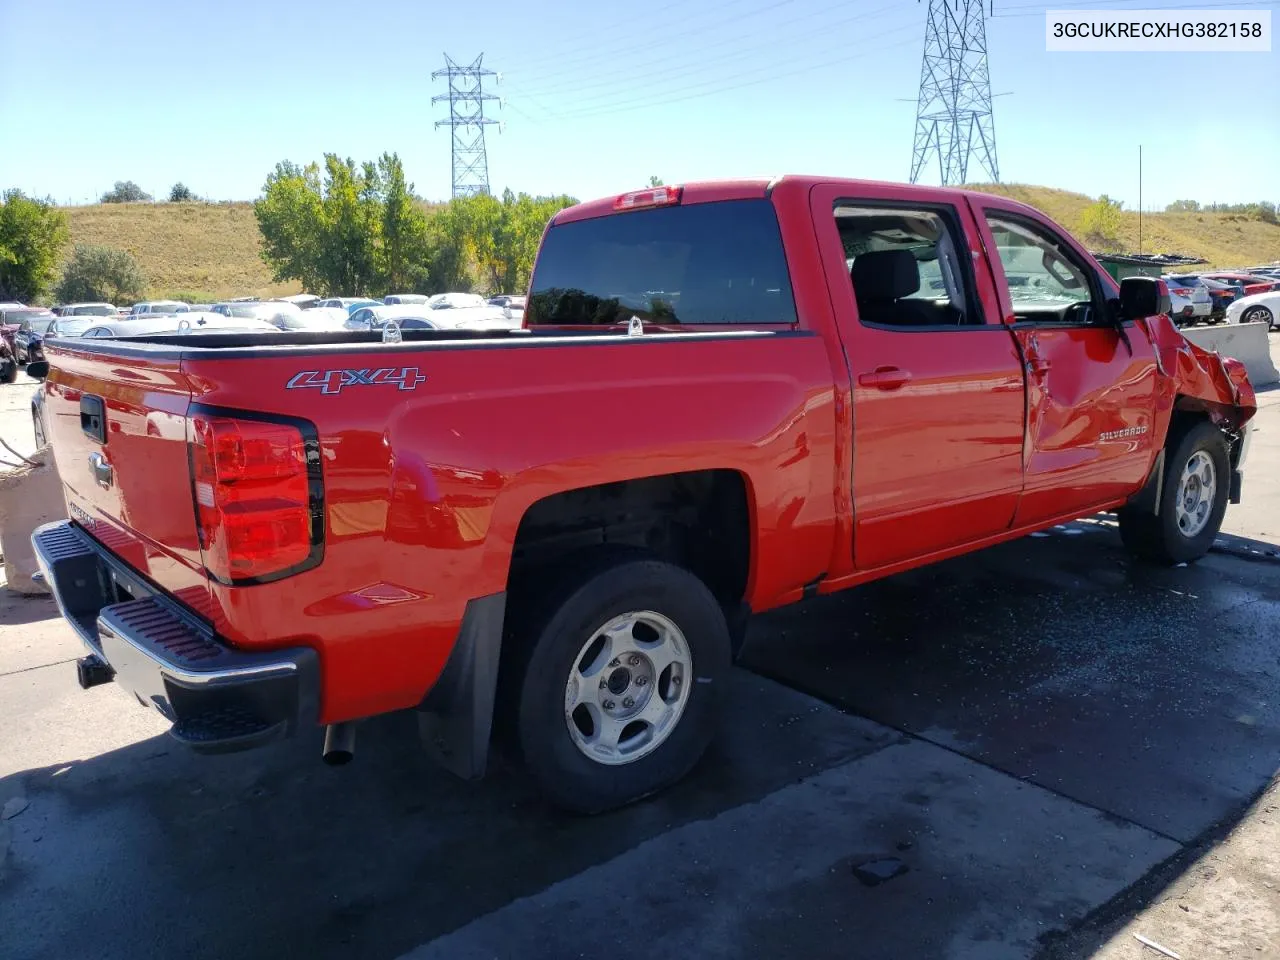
pixel 349 304
pixel 420 525
pixel 1249 283
pixel 85 310
pixel 406 316
pixel 32 324
pixel 305 301
pixel 508 300
pixel 73 326
pixel 1259 308
pixel 452 301
pixel 1223 294
pixel 280 313
pixel 8 363
pixel 159 306
pixel 11 305
pixel 173 325
pixel 1191 300
pixel 394 298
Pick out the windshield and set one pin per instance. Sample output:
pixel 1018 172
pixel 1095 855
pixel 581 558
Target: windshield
pixel 92 310
pixel 709 263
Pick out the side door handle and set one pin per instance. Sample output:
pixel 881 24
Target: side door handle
pixel 885 378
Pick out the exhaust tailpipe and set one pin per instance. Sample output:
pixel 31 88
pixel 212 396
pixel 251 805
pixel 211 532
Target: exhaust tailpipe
pixel 339 743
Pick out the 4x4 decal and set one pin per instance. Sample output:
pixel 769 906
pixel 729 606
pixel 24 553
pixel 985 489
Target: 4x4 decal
pixel 332 381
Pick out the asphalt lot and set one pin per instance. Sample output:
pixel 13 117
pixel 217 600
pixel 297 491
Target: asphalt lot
pixel 977 760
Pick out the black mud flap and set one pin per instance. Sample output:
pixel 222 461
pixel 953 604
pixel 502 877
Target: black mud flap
pixel 1147 500
pixel 456 717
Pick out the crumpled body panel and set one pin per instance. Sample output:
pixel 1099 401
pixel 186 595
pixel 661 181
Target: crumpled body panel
pixel 1192 378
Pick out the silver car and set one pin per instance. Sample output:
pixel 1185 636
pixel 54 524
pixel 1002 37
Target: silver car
pixel 1190 297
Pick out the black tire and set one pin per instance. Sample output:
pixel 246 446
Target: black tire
pixel 1159 538
pixel 1258 314
pixel 550 645
pixel 38 430
pixel 10 374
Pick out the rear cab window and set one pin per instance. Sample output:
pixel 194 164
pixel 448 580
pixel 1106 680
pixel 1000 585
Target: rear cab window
pixel 701 264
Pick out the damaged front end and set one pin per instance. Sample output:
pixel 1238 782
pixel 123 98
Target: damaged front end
pixel 1196 382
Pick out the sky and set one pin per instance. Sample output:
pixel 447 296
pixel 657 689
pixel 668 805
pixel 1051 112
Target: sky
pixel 597 97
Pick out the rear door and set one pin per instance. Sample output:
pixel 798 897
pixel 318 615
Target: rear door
pixel 118 426
pixel 939 400
pixel 1091 391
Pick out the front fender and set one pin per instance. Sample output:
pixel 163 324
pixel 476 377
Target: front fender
pixel 1192 378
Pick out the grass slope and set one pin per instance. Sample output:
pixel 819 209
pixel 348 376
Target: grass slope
pixel 1225 240
pixel 203 251
pixel 210 251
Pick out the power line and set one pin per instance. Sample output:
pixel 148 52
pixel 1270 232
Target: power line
pixel 757 79
pixel 953 112
pixel 625 51
pixel 467 121
pixel 627 79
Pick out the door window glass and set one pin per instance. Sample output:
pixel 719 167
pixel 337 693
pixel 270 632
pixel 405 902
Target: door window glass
pixel 905 268
pixel 1046 283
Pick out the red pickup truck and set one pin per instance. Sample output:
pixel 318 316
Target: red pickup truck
pixel 725 397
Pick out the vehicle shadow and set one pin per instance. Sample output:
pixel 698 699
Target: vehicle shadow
pixel 1146 692
pixel 17 609
pixel 151 850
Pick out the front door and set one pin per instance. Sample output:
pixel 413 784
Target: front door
pixel 937 381
pixel 1090 390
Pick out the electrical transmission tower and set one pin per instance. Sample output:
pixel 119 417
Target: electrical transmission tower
pixel 953 111
pixel 466 98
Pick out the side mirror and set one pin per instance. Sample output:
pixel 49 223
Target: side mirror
pixel 1143 297
pixel 38 369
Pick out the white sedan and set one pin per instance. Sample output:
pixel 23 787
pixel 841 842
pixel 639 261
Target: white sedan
pixel 1258 308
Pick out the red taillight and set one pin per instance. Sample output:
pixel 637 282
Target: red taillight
pixel 253 486
pixel 653 197
pixel 1182 291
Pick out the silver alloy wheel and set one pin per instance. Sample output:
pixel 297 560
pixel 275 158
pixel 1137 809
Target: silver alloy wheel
pixel 1196 489
pixel 1258 315
pixel 628 687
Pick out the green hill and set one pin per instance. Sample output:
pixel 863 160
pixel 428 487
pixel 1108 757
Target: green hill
pixel 1225 240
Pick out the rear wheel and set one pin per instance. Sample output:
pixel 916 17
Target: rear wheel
pixel 619 682
pixel 1192 503
pixel 1258 315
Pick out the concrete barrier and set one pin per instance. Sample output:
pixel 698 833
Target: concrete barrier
pixel 1246 342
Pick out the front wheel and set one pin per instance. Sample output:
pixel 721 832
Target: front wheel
pixel 8 370
pixel 38 429
pixel 1258 315
pixel 620 686
pixel 1193 502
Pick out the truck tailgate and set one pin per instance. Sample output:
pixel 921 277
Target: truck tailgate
pixel 118 429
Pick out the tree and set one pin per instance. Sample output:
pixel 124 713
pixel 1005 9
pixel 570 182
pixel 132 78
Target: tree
pixel 181 193
pixel 1183 206
pixel 125 191
pixel 32 235
pixel 655 182
pixel 405 250
pixel 1100 222
pixel 99 273
pixel 345 229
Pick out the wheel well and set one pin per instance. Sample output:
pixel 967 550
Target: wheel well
pixel 699 520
